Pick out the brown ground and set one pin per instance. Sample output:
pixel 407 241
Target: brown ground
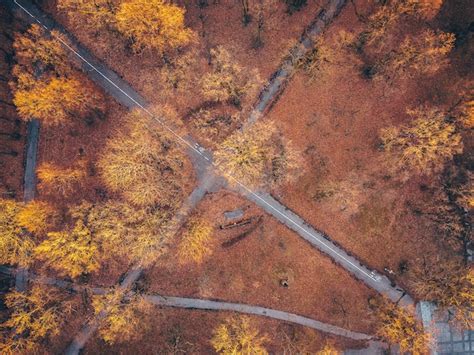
pixel 250 270
pixel 190 332
pixel 337 128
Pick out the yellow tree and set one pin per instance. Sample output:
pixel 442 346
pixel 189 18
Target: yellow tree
pixel 124 231
pixel 424 144
pixel 16 246
pixel 196 242
pixel 71 252
pixel 153 25
pixel 95 14
pixel 35 315
pixel 58 100
pixel 37 53
pixel 327 53
pixel 37 216
pixel 389 15
pixel 142 164
pixel 450 285
pixel 238 336
pixel 227 81
pixel 47 87
pixel 258 156
pixel 124 316
pixel 420 54
pixel 399 326
pixel 328 349
pixel 60 181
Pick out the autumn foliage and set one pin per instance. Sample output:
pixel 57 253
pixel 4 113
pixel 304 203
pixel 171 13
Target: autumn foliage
pixel 122 231
pixel 60 181
pixel 125 317
pixel 424 53
pixel 227 81
pixel 143 164
pixel 196 242
pixel 148 24
pixel 16 245
pixel 35 315
pixel 424 144
pixel 47 87
pixel 399 326
pixel 258 156
pixel 71 252
pixel 37 216
pixel 450 285
pixel 237 335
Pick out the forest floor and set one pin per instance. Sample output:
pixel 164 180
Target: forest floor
pixel 347 190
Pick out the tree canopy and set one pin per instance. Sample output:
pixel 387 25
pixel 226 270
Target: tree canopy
pixel 141 163
pixel 237 335
pixel 35 315
pixel 47 86
pixel 16 245
pixel 257 156
pixel 424 144
pixel 399 326
pixel 153 24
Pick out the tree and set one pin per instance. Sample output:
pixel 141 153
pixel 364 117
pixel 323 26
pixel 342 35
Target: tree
pixel 47 87
pixel 37 216
pixel 58 100
pixel 424 144
pixel 71 252
pixel 238 336
pixel 58 180
pixel 142 164
pixel 422 54
pixel 95 14
pixel 38 54
pixel 227 81
pixel 258 156
pixel 123 231
pixel 36 314
pixel 196 242
pixel 389 15
pixel 450 285
pixel 325 54
pixel 124 316
pixel 398 326
pixel 16 245
pixel 328 349
pixel 153 25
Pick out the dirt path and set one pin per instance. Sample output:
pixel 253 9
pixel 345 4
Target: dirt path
pixel 29 186
pixel 278 80
pixel 189 303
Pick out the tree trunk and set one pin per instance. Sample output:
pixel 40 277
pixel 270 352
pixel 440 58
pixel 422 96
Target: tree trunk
pixel 246 18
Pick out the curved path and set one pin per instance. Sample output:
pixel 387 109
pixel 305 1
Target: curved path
pixel 193 303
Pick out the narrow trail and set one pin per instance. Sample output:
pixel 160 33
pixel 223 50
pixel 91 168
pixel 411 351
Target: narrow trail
pixel 202 158
pixel 191 303
pixel 278 80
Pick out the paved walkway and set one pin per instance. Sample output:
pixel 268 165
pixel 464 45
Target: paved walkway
pixel 190 303
pixel 371 278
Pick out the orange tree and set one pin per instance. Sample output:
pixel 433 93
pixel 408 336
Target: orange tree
pixel 46 85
